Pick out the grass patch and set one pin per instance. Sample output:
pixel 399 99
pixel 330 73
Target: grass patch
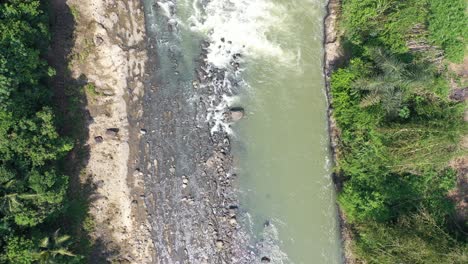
pixel 448 26
pixel 75 12
pixel 91 91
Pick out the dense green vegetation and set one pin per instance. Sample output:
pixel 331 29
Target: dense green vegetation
pixel 32 185
pixel 392 23
pixel 399 130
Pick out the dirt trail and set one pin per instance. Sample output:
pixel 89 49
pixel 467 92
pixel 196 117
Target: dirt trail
pixel 107 57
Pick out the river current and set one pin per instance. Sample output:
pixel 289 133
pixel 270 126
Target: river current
pixel 269 54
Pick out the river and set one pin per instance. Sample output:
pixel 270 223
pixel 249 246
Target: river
pixel 266 56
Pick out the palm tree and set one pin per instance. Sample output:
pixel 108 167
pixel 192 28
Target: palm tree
pixel 51 248
pixel 11 196
pixel 8 192
pixel 392 84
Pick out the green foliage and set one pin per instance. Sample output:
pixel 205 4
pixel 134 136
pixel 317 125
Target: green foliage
pixel 387 22
pixel 91 91
pixel 394 161
pixel 24 33
pixel 390 23
pixel 398 131
pixel 380 196
pixel 19 250
pixel 54 249
pixel 32 188
pixel 75 13
pixel 416 238
pixel 448 27
pixel 88 224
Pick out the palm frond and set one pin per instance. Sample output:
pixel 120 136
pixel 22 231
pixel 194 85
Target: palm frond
pixel 63 252
pixel 28 196
pixel 9 184
pixel 62 239
pixel 44 242
pixel 370 100
pixel 388 63
pixel 392 102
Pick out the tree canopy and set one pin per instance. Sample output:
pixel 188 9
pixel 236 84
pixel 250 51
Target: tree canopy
pixel 32 188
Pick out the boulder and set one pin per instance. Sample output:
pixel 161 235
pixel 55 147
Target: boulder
pixel 236 113
pixel 459 95
pixel 219 244
pixel 112 132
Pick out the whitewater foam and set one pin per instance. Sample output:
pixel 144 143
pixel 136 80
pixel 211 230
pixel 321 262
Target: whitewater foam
pixel 236 31
pixel 238 27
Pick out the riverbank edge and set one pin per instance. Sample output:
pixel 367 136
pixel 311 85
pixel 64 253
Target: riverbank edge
pixel 334 56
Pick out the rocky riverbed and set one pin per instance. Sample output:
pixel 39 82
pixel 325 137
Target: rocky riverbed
pixel 188 172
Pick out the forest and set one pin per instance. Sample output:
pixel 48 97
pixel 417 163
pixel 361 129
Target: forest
pixel 33 186
pixel 400 129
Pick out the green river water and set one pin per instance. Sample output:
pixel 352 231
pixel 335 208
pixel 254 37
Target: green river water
pixel 282 143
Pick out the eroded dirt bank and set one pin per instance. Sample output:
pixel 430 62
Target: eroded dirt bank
pixel 106 59
pixel 334 56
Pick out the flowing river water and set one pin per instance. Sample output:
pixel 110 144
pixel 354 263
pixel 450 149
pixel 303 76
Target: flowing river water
pixel 266 57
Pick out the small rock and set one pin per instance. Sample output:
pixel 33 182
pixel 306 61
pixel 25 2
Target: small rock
pixel 184 185
pixel 185 181
pixel 233 221
pixel 266 260
pixel 108 92
pixel 98 40
pixel 219 244
pixel 172 170
pixel 143 131
pixel 112 132
pixel 99 139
